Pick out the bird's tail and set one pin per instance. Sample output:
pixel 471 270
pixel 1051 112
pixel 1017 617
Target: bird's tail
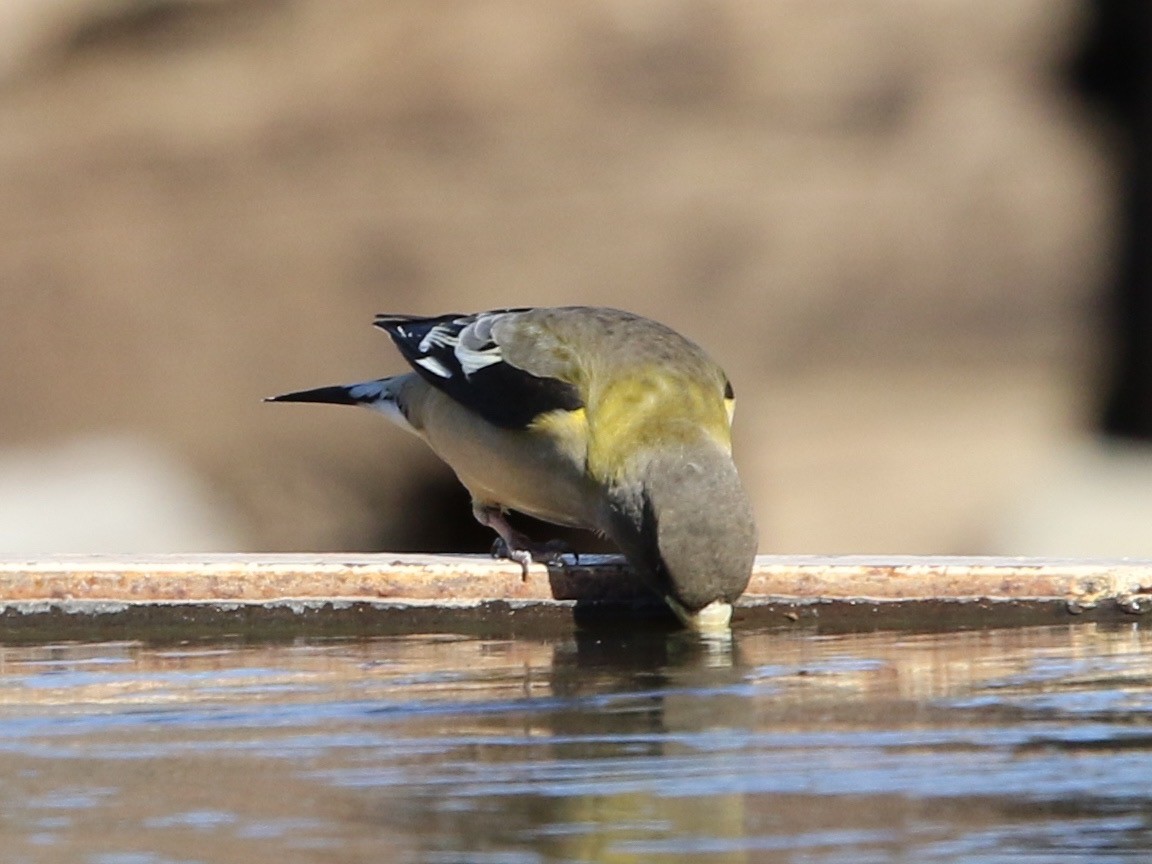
pixel 362 393
pixel 381 394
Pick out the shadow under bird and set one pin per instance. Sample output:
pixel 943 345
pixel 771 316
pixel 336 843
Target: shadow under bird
pixel 585 417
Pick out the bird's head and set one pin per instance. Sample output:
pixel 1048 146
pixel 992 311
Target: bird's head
pixel 685 523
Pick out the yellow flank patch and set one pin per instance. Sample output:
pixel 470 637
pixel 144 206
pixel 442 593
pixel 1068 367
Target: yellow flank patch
pixel 567 430
pixel 651 409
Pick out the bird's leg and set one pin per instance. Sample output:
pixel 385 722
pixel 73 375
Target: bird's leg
pixel 513 544
pixel 510 543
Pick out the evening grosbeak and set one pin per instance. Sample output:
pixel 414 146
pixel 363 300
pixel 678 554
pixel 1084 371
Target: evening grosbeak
pixel 586 417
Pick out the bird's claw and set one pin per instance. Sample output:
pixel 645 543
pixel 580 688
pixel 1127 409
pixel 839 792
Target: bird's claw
pixel 501 549
pixel 525 552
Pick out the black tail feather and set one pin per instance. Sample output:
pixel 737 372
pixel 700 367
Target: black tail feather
pixel 333 395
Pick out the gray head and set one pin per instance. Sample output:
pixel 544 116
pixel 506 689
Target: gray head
pixel 687 526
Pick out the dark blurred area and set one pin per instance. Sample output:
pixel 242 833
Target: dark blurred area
pixel 1114 71
pixel 897 225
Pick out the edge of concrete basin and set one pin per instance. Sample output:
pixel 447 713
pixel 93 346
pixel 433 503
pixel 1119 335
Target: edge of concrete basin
pixel 183 595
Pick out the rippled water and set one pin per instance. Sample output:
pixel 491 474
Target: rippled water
pixel 1022 745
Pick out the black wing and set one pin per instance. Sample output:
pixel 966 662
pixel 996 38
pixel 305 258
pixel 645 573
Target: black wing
pixel 459 355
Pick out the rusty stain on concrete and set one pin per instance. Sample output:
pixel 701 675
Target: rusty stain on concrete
pixel 426 580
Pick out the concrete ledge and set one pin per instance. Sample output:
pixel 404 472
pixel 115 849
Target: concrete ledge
pixel 456 580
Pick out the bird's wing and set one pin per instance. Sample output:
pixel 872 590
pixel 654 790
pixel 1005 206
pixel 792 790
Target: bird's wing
pixel 466 357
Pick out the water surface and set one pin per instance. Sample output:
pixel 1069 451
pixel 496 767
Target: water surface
pixel 1016 745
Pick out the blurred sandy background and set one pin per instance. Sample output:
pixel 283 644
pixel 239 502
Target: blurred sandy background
pixel 892 221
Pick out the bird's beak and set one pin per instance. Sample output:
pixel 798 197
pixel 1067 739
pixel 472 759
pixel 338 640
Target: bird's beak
pixel 713 618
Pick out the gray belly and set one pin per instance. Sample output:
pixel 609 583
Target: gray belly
pixel 519 470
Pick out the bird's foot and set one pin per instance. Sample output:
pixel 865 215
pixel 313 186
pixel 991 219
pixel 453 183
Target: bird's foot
pixel 525 551
pixel 501 549
pixel 511 544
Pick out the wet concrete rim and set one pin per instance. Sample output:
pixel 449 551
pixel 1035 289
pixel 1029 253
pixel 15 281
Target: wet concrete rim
pixel 407 578
pixel 377 593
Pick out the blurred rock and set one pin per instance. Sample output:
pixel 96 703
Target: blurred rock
pixel 1093 500
pixel 112 494
pixel 206 203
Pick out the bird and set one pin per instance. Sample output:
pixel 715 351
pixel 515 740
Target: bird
pixel 586 417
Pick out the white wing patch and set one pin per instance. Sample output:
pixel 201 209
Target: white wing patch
pixel 470 341
pixel 434 366
pixel 438 337
pixel 473 361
